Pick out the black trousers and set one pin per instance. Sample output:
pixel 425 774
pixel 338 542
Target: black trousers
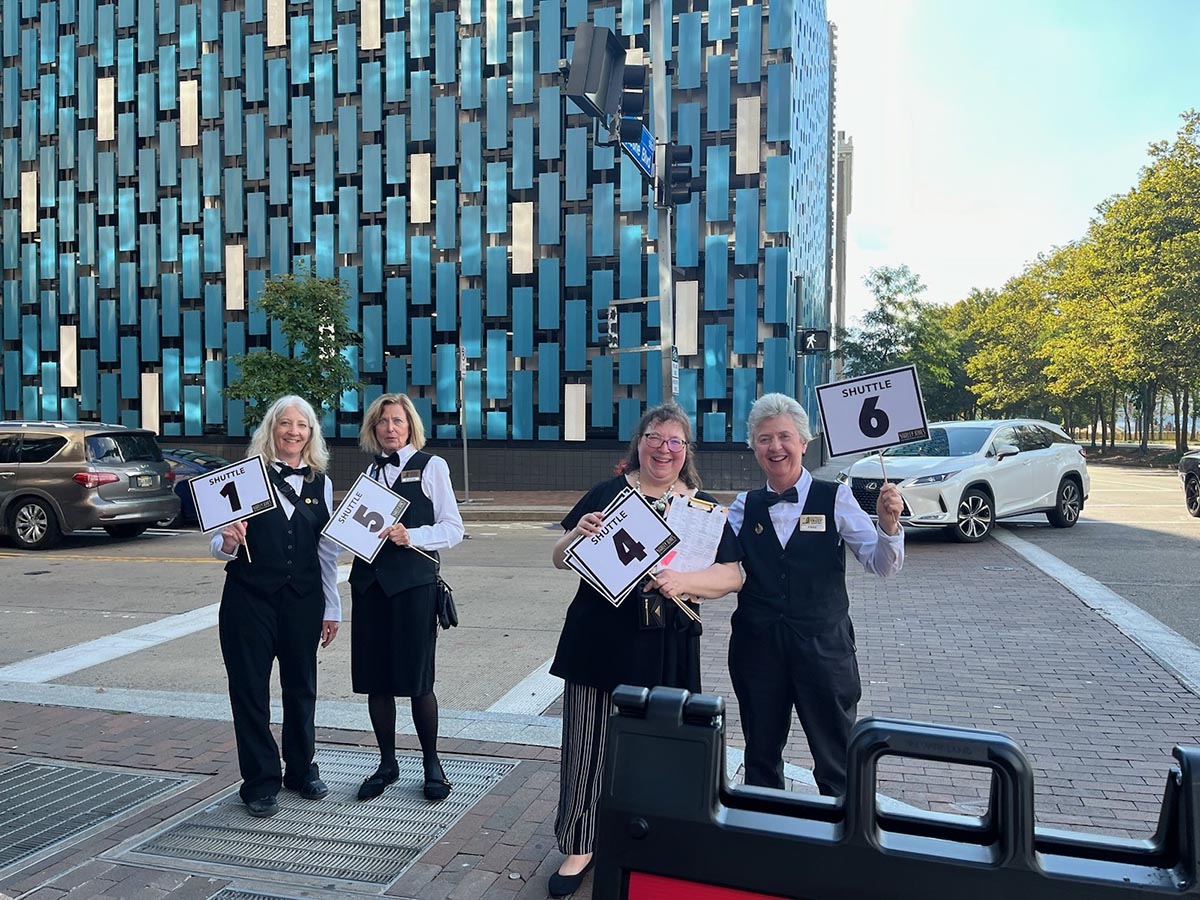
pixel 775 669
pixel 255 630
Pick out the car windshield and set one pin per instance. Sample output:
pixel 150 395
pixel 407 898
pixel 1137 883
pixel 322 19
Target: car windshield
pixel 116 448
pixel 945 442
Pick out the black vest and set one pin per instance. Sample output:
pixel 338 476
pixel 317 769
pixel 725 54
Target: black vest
pixel 802 584
pixel 284 550
pixel 400 568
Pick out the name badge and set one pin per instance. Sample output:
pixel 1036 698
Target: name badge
pixel 812 523
pixel 410 476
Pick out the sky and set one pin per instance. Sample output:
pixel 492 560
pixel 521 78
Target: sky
pixel 987 132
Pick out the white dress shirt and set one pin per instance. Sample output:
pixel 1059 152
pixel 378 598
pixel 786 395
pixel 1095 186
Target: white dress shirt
pixel 447 529
pixel 327 550
pixel 879 552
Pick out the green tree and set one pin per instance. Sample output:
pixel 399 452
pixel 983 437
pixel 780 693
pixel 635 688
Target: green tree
pixel 311 315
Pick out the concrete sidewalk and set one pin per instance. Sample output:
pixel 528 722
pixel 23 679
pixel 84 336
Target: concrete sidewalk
pixel 966 635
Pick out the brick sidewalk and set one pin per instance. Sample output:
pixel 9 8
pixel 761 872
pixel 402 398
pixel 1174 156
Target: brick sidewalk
pixel 966 635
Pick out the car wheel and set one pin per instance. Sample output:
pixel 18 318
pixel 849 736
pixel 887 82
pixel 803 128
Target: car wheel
pixel 975 517
pixel 124 532
pixel 1191 495
pixel 33 525
pixel 1068 503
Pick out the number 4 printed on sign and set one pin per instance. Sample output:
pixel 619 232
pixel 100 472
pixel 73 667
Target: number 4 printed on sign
pixel 627 548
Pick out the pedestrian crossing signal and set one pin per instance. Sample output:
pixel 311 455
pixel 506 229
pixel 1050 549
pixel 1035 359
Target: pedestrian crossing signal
pixel 813 340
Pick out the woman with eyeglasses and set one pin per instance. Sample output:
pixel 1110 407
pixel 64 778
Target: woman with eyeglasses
pixel 648 640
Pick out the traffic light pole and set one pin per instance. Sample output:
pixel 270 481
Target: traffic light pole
pixel 660 31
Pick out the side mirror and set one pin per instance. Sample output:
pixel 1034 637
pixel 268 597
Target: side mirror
pixel 1005 450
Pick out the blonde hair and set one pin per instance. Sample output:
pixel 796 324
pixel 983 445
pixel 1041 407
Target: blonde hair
pixel 416 428
pixel 262 443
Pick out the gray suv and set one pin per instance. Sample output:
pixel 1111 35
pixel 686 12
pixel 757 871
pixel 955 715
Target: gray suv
pixel 58 477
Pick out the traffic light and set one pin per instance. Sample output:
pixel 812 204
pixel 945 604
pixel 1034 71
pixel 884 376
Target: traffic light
pixel 679 174
pixel 633 103
pixel 606 325
pixel 813 340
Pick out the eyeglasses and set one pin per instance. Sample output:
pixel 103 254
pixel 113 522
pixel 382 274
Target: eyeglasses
pixel 655 441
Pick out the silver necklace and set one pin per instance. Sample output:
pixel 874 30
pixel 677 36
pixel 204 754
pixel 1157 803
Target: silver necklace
pixel 659 504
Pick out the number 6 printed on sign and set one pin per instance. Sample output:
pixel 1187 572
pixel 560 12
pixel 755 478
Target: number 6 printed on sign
pixel 872 412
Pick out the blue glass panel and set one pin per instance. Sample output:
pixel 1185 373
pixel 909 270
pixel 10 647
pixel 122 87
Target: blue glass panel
pixel 550 114
pixel 713 431
pixel 716 272
pixel 48 254
pixel 29 59
pixel 471 91
pixel 497 281
pixel 372 178
pixel 522 153
pixel 372 336
pixel 301 142
pixel 745 386
pixel 48 106
pixel 10 169
pixel 87 234
pixel 577 163
pixel 445 63
pixel 746 218
pixel 10 27
pixel 419 22
pixel 550 48
pixel 631 259
pixel 630 365
pixel 716 361
pixel 629 413
pixel 419 106
pixel 397 230
pixel 446 134
pixel 575 242
pixel 549 207
pixel 192 399
pixel 347 140
pixel 471 254
pixel 66 66
pixel 775 285
pixel 189 188
pixel 549 379
pixel 397 157
pixel 447 384
pixel 147 258
pixel 397 312
pixel 718 93
pixel 602 391
pixel 168 216
pixel 280 241
pixel 189 44
pixel 447 214
pixel 29 130
pixel 168 16
pixel 497 365
pixel 470 173
pixel 779 31
pixel 779 102
pixel 47 178
pixel 256 225
pixel 231 45
pixel 256 140
pixel 168 78
pixel 235 202
pixel 603 220
pixel 255 83
pixel 549 297
pixel 576 13
pixel 89 377
pixel 324 168
pixel 496 39
pixel 720 22
pixel 323 20
pixel 575 335
pixel 446 305
pixel 126 70
pixel 300 48
pixel 126 145
pixel 11 92
pixel 497 425
pixel 301 209
pixel 716 194
pixel 193 352
pixel 632 186
pixel 323 88
pixel 776 373
pixel 471 322
pixel 422 348
pixel 277 153
pixel 523 67
pixel 107 256
pixel 422 292
pixel 68 294
pixel 278 92
pixel 745 315
pixel 395 67
pixel 191 266
pixel 347 58
pixel 522 406
pixel 688 70
pixel 232 123
pixel 108 330
pixel 497 198
pixel 67 209
pixel 522 322
pixel 778 186
pixel 347 223
pixel 749 70
pixel 214 250
pixel 372 105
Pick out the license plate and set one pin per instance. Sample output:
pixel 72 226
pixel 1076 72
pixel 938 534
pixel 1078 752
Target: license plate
pixel 143 481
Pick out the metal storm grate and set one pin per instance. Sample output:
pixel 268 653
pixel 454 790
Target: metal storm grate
pixel 43 805
pixel 334 838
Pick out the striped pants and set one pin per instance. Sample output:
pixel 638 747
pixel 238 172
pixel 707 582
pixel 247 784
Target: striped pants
pixel 584 734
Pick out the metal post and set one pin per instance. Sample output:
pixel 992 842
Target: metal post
pixel 660 32
pixel 462 419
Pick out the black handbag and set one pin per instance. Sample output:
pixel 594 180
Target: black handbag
pixel 447 612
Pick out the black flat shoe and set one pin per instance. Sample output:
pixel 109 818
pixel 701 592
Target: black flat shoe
pixel 437 786
pixel 263 807
pixel 313 790
pixel 373 786
pixel 565 885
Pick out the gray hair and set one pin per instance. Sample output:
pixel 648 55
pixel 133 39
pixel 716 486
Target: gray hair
pixel 316 453
pixel 768 406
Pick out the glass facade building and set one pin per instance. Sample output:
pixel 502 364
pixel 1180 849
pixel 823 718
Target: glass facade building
pixel 160 160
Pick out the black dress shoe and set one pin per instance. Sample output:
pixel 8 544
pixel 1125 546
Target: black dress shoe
pixel 437 786
pixel 313 790
pixel 373 786
pixel 565 885
pixel 263 807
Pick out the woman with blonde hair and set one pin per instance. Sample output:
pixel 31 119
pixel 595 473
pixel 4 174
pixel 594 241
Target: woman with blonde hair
pixel 394 639
pixel 280 600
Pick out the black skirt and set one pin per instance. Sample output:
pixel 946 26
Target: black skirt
pixel 393 641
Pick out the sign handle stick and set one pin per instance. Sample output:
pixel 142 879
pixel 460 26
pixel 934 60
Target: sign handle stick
pixel 881 466
pixel 246 547
pixel 422 552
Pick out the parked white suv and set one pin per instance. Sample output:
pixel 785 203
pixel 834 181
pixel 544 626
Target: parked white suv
pixel 968 474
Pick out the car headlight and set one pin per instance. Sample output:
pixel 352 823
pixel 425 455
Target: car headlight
pixel 844 478
pixel 933 479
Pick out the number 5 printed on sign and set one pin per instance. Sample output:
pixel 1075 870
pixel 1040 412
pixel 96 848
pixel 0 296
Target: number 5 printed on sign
pixel 232 493
pixel 364 512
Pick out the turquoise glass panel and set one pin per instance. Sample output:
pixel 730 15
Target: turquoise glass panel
pixel 322 20
pixel 522 405
pixel 471 252
pixel 231 44
pixel 372 104
pixel 716 194
pixel 470 174
pixel 446 216
pixel 523 67
pixel 775 286
pixel 575 335
pixel 522 322
pixel 419 21
pixel 395 67
pixel 779 180
pixel 447 380
pixel 496 295
pixel 397 313
pixel 631 258
pixel 347 224
pixel 777 374
pixel 550 116
pixel 446 291
pixel 716 272
pixel 549 207
pixel 713 431
pixel 471 89
pixel 716 361
pixel 629 413
pixel 576 244
pixel 745 315
pixel 497 113
pixel 471 323
pixel 324 168
pixel 602 392
pixel 422 274
pixel 630 365
pixel 496 39
pixel 372 337
pixel 687 73
pixel 549 298
pixel 347 142
pixel 744 389
pixel 299 48
pixel 497 365
pixel 372 178
pixel 522 153
pixel 603 221
pixel 577 163
pixel 323 88
pixel 397 158
pixel 746 224
pixel 779 102
pixel 278 92
pixel 445 41
pixel 718 106
pixel 549 24
pixel 419 106
pixel 256 225
pixel 347 58
pixel 497 198
pixel 302 211
pixel 446 134
pixel 749 70
pixel 397 231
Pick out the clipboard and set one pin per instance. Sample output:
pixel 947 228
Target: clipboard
pixel 700 525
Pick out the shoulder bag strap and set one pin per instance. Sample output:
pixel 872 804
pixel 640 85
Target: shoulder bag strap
pixel 289 492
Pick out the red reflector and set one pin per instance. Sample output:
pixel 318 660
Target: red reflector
pixel 170 476
pixel 94 479
pixel 656 887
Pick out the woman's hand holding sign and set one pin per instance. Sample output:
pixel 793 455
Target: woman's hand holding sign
pixel 397 534
pixel 233 536
pixel 591 524
pixel 889 507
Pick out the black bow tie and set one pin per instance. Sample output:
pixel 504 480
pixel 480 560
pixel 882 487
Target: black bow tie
pixel 391 460
pixel 788 496
pixel 285 470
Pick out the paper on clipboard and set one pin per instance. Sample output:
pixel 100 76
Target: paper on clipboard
pixel 699 525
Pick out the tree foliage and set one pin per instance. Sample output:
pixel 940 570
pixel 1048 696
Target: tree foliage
pixel 311 314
